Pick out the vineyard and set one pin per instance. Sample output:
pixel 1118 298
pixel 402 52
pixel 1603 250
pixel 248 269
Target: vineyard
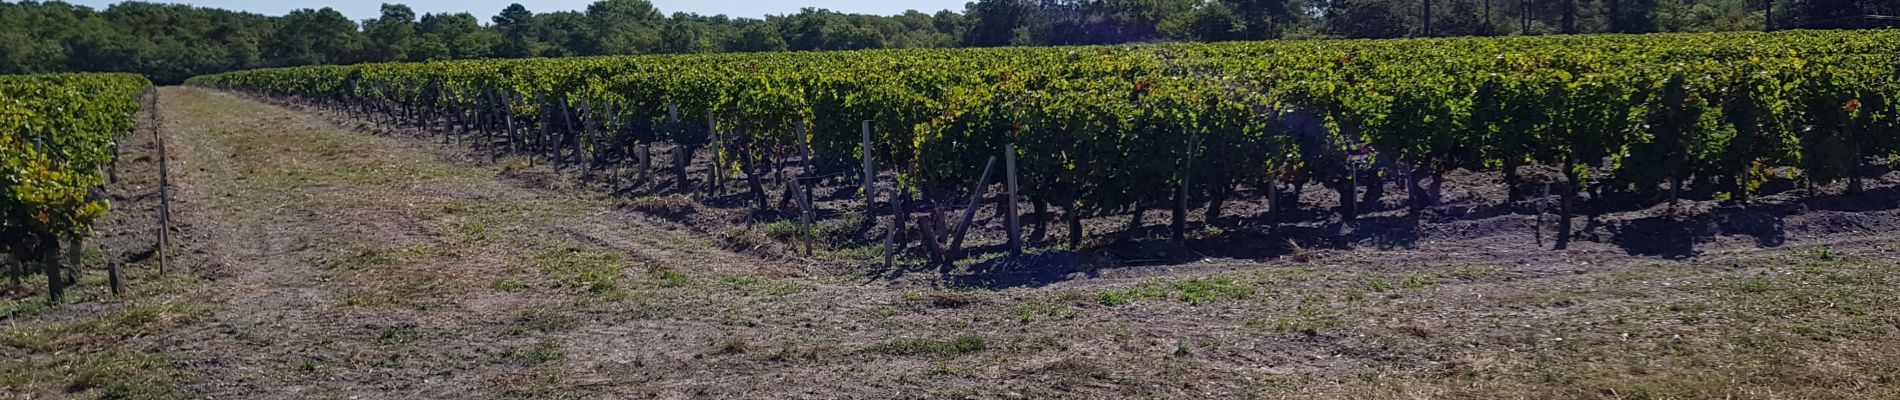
pixel 1111 130
pixel 58 139
pixel 1343 219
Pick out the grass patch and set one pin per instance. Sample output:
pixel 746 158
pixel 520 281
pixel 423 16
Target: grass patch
pixel 540 353
pixel 540 383
pixel 1411 281
pixel 25 307
pixel 307 367
pixel 1196 291
pixel 945 348
pixel 786 229
pixel 1030 312
pixel 596 271
pixel 769 287
pixel 1760 332
pixel 847 252
pixel 108 375
pixel 426 305
pixel 396 335
pixel 368 300
pixel 829 231
pixel 1818 253
pixel 1375 285
pixel 308 157
pixel 1417 280
pixel 324 158
pixel 29 299
pixel 372 257
pixel 1307 321
pixel 474 224
pixel 1294 274
pixel 668 277
pixel 112 326
pixel 472 232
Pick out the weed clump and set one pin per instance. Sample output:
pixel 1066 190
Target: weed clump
pixel 944 348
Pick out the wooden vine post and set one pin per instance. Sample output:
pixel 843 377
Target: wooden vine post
pixel 713 173
pixel 939 233
pixel 804 150
pixel 805 213
pixel 508 122
pixel 114 278
pixel 870 176
pixel 645 158
pixel 164 189
pixel 680 160
pixel 1015 226
pixel 55 289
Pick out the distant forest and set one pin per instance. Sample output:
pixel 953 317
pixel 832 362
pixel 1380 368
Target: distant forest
pixel 172 42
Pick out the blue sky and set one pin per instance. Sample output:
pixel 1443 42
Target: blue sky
pixel 362 9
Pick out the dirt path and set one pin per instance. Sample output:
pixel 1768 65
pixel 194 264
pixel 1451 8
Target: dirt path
pixel 358 265
pixel 333 263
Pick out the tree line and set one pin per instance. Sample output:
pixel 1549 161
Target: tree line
pixel 170 43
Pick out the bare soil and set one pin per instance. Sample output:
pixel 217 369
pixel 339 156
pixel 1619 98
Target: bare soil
pixel 326 258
